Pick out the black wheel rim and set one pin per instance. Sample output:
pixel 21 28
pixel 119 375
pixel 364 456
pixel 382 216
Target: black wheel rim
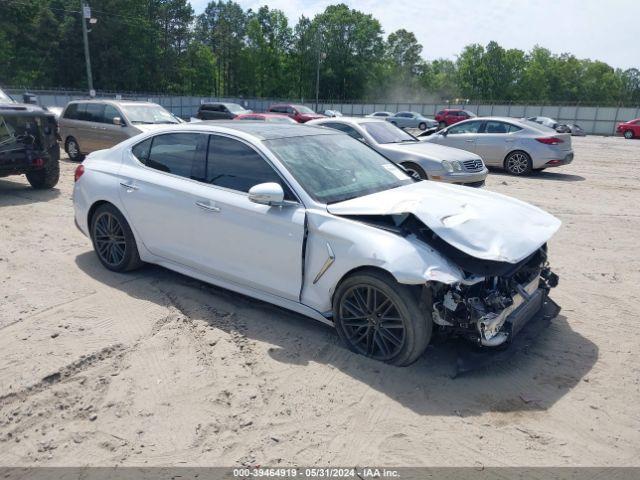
pixel 372 322
pixel 111 245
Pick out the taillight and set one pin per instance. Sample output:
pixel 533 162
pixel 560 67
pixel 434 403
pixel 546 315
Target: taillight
pixel 79 172
pixel 550 140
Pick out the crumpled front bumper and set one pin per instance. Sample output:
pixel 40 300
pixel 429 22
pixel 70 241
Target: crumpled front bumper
pixel 523 326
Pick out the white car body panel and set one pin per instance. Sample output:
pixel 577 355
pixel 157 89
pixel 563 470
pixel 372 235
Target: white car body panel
pixel 482 224
pixel 262 252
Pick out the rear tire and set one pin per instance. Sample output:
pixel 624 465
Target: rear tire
pixel 113 240
pixel 46 177
pixel 518 163
pixel 628 134
pixel 377 317
pixel 72 148
pixel 415 170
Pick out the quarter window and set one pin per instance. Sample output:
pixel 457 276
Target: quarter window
pixel 177 153
pixel 234 165
pixel 141 150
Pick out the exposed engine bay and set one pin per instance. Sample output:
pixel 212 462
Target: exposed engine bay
pixel 495 299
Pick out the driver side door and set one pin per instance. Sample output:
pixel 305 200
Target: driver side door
pixel 461 135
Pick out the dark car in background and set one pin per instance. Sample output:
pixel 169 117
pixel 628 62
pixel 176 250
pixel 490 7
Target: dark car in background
pixel 28 143
pixel 300 113
pixel 630 129
pixel 220 111
pixel 449 116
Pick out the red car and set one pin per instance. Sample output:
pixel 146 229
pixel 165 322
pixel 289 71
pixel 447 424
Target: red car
pixel 449 116
pixel 299 113
pixel 630 129
pixel 266 117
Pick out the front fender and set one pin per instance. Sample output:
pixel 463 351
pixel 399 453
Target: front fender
pixel 353 245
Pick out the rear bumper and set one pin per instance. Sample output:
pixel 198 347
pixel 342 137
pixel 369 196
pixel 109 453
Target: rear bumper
pixel 555 159
pixel 18 162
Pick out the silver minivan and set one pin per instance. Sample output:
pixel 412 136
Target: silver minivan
pixel 90 125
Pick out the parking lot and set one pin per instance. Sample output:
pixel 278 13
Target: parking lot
pixel 154 368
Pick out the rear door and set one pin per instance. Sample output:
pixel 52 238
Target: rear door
pixel 161 197
pixel 87 134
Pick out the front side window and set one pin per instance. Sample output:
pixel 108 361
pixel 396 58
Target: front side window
pixel 235 165
pixel 384 132
pixel 467 127
pixel 148 114
pixel 110 113
pixel 333 168
pixel 180 154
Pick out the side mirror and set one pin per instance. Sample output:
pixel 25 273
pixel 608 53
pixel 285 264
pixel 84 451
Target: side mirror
pixel 117 121
pixel 444 133
pixel 270 193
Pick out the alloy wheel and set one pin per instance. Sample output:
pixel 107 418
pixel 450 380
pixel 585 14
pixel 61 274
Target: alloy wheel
pixel 372 322
pixel 628 134
pixel 413 173
pixel 109 239
pixel 518 163
pixel 72 149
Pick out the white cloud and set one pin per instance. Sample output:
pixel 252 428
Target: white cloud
pixel 596 29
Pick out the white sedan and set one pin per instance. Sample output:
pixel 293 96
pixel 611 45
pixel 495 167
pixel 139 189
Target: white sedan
pixel 312 220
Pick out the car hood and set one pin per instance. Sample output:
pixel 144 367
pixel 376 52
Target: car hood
pixel 483 224
pixel 430 150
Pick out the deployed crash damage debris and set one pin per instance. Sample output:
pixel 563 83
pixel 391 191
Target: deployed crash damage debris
pixel 503 284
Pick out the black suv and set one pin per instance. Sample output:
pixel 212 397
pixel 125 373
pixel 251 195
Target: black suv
pixel 220 111
pixel 28 142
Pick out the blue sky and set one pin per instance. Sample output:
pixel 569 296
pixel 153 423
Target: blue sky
pixel 607 30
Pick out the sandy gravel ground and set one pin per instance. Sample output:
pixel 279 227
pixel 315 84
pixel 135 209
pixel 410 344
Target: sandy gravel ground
pixel 154 368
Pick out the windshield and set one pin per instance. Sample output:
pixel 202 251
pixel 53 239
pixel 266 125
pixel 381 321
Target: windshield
pixel 4 98
pixel 303 109
pixel 384 132
pixel 279 120
pixel 333 168
pixel 234 107
pixel 148 114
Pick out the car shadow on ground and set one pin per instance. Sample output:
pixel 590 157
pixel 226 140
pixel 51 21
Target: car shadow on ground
pixel 535 378
pixel 541 175
pixel 18 193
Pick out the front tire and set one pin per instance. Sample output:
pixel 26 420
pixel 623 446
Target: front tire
pixel 377 317
pixel 46 177
pixel 518 163
pixel 422 126
pixel 415 170
pixel 73 150
pixel 628 134
pixel 113 240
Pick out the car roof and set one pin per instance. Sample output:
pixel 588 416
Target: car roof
pixel 353 120
pixel 258 130
pixel 110 101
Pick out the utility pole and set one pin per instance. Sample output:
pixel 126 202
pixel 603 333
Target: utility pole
pixel 318 67
pixel 85 14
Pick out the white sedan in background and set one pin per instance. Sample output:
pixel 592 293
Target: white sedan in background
pixel 315 221
pixel 517 146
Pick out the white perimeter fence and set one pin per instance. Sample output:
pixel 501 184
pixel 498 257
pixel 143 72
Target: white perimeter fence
pixel 593 119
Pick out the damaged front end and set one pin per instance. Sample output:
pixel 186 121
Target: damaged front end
pixel 490 311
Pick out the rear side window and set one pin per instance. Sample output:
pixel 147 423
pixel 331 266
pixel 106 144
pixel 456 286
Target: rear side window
pixel 141 150
pixel 94 112
pixel 235 165
pixel 344 128
pixel 71 112
pixel 181 154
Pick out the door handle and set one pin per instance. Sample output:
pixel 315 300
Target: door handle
pixel 469 140
pixel 128 186
pixel 208 207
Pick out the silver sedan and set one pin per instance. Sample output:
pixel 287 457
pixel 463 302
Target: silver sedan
pixel 518 146
pixel 422 160
pixel 412 120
